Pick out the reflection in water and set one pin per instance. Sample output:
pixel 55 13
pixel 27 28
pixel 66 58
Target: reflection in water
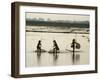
pixel 39 57
pixel 75 58
pixel 55 57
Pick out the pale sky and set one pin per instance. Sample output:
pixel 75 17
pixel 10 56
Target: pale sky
pixel 69 17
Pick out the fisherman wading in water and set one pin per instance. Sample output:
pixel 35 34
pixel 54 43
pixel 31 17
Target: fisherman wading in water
pixel 75 45
pixel 39 46
pixel 55 46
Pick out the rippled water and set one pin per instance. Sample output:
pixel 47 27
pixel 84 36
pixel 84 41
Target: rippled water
pixel 65 57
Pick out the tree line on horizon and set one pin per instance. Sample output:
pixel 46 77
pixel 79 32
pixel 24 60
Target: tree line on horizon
pixel 56 23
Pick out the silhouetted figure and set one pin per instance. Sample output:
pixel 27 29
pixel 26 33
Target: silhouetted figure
pixel 39 46
pixel 73 45
pixel 55 46
pixel 39 51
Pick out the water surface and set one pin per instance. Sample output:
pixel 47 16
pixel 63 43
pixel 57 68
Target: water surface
pixel 64 58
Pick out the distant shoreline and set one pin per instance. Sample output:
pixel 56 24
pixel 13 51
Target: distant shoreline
pixel 57 32
pixel 79 24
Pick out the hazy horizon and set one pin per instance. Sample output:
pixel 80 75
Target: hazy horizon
pixel 52 16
